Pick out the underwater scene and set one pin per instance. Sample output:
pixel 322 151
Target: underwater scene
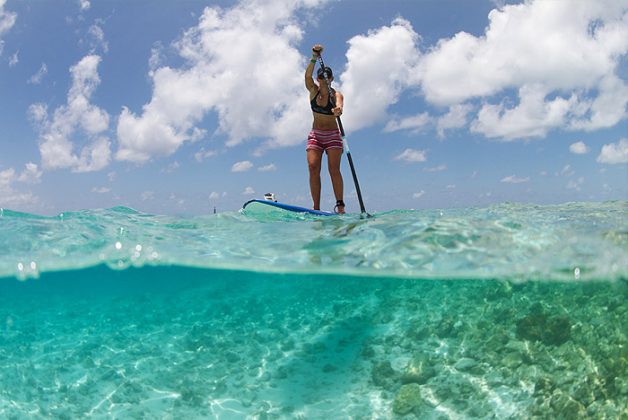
pixel 510 311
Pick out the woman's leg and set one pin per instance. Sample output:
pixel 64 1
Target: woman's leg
pixel 334 156
pixel 314 158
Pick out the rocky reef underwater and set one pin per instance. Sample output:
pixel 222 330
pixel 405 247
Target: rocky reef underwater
pixel 502 350
pixel 228 344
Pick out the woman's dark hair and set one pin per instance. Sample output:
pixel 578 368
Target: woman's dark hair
pixel 326 70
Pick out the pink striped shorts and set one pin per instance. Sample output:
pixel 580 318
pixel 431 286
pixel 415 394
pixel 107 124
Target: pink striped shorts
pixel 324 139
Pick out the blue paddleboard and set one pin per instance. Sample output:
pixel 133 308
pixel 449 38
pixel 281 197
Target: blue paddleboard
pixel 267 206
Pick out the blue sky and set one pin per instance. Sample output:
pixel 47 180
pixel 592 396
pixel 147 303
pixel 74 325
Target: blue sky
pixel 177 107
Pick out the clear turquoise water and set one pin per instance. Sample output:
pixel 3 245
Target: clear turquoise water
pixel 510 311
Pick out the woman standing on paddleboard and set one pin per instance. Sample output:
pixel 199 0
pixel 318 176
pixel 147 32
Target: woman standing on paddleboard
pixel 325 135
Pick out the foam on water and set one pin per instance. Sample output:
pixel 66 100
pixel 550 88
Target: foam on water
pixel 115 313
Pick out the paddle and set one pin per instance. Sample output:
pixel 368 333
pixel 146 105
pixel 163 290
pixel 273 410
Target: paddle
pixel 345 143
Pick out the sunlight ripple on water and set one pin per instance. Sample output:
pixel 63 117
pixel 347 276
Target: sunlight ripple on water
pixel 579 241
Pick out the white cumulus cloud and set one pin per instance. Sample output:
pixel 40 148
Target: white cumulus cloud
pixel 101 190
pixel 412 123
pixel 267 168
pixel 412 155
pixel 7 20
pixel 203 154
pixel 578 148
pixel 532 117
pixel 380 66
pixel 456 117
pixel 229 57
pixel 171 167
pixel 36 78
pixel 14 59
pixel 561 57
pixel 243 166
pixel 567 171
pixel 78 118
pixel 575 184
pixel 512 179
pixel 84 4
pixel 16 198
pixel 156 58
pixel 31 174
pixel 614 153
pixel 97 37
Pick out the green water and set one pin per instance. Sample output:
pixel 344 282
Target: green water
pixel 511 311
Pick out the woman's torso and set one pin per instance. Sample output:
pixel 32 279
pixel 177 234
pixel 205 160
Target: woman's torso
pixel 323 119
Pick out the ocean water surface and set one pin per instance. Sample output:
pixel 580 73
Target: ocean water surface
pixel 510 311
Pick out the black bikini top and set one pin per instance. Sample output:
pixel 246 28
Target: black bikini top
pixel 326 110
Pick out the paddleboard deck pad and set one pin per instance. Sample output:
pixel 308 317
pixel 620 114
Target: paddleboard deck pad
pixel 269 207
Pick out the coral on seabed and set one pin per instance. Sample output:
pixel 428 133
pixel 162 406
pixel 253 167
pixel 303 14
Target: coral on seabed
pixel 540 327
pixel 408 399
pixel 418 370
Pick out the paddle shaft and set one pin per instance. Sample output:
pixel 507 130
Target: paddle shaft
pixel 345 143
